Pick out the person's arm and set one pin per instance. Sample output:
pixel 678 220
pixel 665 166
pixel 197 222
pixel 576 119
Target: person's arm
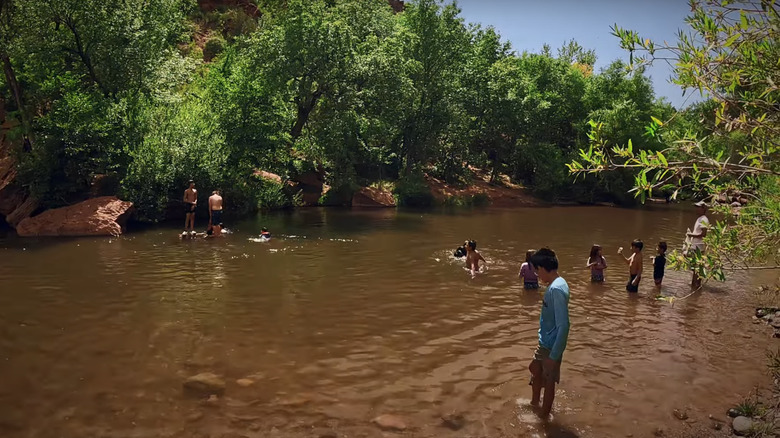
pixel 603 262
pixel 627 259
pixel 481 258
pixel 589 264
pixel 561 324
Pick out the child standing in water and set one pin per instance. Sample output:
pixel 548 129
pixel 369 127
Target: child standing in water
pixel 553 331
pixel 528 273
pixel 635 265
pixel 597 264
pixel 659 263
pixel 473 257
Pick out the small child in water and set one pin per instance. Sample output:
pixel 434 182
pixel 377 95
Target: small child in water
pixel 528 273
pixel 659 263
pixel 635 265
pixel 597 264
pixel 473 257
pixel 265 234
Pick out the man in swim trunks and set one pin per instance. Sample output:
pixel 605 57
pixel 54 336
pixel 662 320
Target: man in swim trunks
pixel 190 201
pixel 215 212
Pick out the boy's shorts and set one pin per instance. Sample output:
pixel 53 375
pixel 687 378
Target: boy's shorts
pixel 548 372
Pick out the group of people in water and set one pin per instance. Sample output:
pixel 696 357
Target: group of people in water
pixel 597 263
pixel 542 265
pixel 215 212
pixel 216 204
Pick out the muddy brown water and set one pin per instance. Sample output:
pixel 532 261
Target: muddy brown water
pixel 346 315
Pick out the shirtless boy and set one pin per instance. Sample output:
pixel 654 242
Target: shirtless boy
pixel 215 212
pixel 635 265
pixel 473 257
pixel 190 201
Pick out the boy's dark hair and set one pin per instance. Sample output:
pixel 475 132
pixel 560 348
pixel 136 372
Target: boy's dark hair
pixel 190 182
pixel 545 258
pixel 662 245
pixel 472 244
pixel 638 244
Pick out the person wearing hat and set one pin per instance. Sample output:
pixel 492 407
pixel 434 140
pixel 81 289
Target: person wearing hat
pixel 697 237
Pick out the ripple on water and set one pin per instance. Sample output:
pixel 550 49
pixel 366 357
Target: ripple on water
pixel 343 316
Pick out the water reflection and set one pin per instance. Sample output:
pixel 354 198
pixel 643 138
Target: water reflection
pixel 347 315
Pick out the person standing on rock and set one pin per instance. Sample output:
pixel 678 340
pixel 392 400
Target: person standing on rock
pixel 697 238
pixel 215 212
pixel 190 201
pixel 553 330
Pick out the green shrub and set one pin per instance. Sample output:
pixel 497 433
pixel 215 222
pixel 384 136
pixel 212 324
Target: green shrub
pixel 413 191
pixel 214 46
pixel 272 196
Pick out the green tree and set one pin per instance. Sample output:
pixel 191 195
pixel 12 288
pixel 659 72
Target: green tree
pixel 731 53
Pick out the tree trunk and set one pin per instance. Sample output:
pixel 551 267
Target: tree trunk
pixel 16 90
pixel 304 109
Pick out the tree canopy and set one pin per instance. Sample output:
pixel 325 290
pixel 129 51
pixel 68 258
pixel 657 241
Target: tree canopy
pixel 155 92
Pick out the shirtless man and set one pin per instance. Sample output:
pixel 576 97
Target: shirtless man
pixel 190 201
pixel 635 265
pixel 215 212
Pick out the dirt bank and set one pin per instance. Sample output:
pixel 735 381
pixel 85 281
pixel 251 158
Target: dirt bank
pixel 500 194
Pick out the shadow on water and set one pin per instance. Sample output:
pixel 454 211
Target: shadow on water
pixel 555 430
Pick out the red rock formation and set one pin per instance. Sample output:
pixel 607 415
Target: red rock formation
pixel 369 197
pixel 15 205
pixel 268 176
pixel 104 216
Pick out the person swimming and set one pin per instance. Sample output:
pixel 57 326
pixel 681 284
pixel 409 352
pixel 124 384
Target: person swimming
pixel 265 234
pixel 473 257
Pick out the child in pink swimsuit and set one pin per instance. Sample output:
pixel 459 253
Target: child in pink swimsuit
pixel 527 272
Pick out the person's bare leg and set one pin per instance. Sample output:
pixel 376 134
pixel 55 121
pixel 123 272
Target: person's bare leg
pixel 538 381
pixel 549 396
pixel 186 221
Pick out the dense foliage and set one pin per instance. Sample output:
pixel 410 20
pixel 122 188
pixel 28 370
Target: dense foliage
pixel 726 150
pixel 155 92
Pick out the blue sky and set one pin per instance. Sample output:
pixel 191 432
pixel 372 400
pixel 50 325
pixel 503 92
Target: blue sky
pixel 529 24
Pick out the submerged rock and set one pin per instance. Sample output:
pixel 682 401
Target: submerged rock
pixel 680 414
pixel 204 385
pixel 245 382
pixel 453 421
pixel 742 425
pixel 389 422
pixel 733 413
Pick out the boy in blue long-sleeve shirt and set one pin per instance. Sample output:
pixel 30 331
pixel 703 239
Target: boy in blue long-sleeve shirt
pixel 553 330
